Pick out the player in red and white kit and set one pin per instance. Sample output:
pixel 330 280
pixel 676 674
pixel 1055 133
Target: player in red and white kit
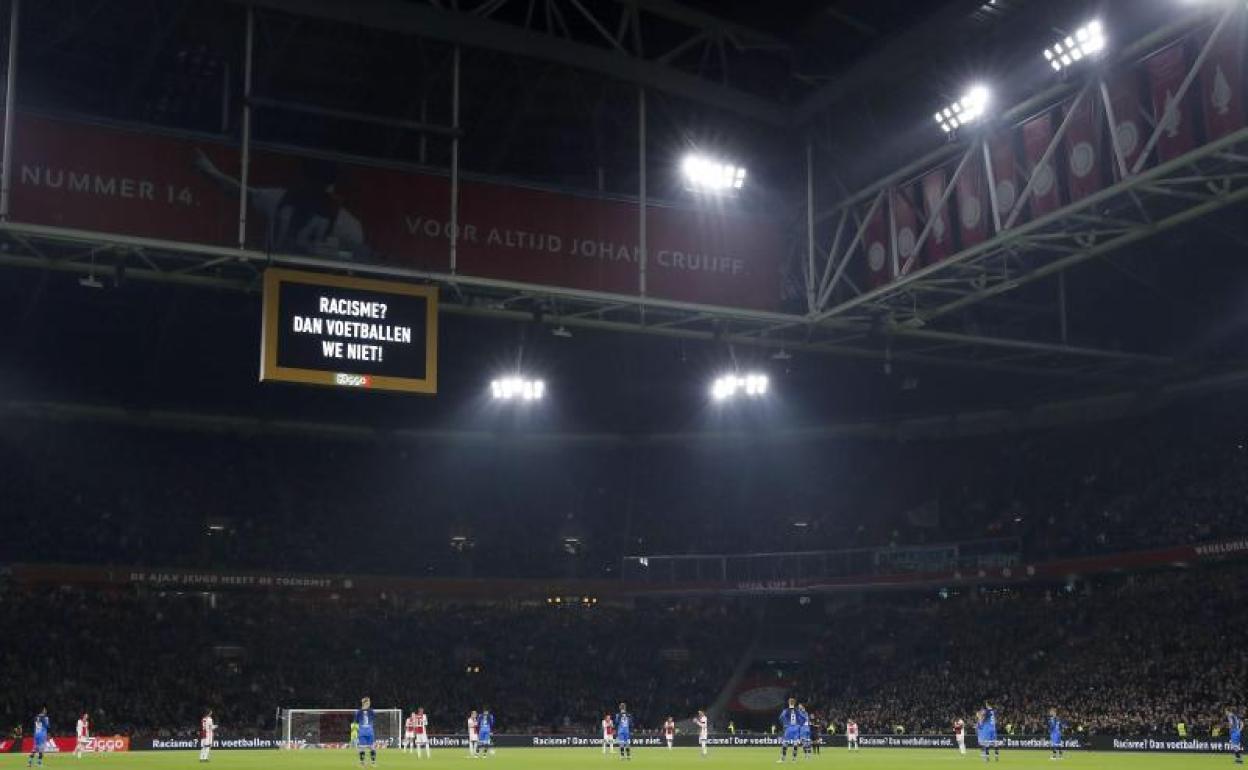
pixel 84 734
pixel 851 735
pixel 669 732
pixel 473 734
pixel 608 734
pixel 422 733
pixel 704 729
pixel 409 733
pixel 959 734
pixel 207 730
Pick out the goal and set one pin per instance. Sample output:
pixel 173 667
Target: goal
pixel 331 728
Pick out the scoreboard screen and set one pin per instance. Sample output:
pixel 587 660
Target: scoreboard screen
pixel 349 332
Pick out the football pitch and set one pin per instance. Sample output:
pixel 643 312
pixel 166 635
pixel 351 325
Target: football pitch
pixel 649 758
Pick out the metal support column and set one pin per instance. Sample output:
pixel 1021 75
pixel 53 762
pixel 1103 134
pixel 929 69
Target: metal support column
pixel 455 161
pixel 244 171
pixel 1061 304
pixel 10 104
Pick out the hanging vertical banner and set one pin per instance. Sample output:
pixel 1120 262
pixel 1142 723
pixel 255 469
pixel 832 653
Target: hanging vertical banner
pixel 1222 83
pixel 1166 70
pixel 907 221
pixel 972 204
pixel 1084 149
pixel 1045 195
pixel 1130 127
pixel 939 243
pixel 875 241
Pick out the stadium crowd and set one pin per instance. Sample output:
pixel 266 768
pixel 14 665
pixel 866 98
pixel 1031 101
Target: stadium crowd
pixel 1136 656
pixel 192 497
pixel 150 662
pixel 1126 655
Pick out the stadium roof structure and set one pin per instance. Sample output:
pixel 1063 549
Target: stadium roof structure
pixel 829 99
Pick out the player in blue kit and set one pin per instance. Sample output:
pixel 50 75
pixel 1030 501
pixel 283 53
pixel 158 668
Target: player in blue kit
pixel 1236 725
pixel 983 733
pixel 41 738
pixel 365 717
pixel 485 728
pixel 803 732
pixel 1055 734
pixel 792 719
pixel 990 718
pixel 624 732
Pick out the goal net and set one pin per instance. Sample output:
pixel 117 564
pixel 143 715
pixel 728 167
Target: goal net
pixel 331 728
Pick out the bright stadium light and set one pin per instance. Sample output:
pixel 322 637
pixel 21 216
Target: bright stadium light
pixel 1086 42
pixel 728 386
pixel 517 389
pixel 970 108
pixel 710 175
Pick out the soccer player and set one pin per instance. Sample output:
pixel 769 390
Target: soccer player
pixel 704 730
pixel 84 734
pixel 485 729
pixel 803 732
pixel 669 732
pixel 990 719
pixel 624 732
pixel 791 720
pixel 422 733
pixel 207 730
pixel 816 731
pixel 1055 735
pixel 41 738
pixel 1236 725
pixel 366 718
pixel 959 734
pixel 608 733
pixel 851 735
pixel 354 740
pixel 473 725
pixel 409 733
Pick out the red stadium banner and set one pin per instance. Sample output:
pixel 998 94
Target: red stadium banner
pixel 1004 172
pixel 973 205
pixel 907 221
pixel 939 243
pixel 180 188
pixel 1085 161
pixel 1222 83
pixel 1045 194
pixel 875 242
pixel 1166 70
pixel 1131 127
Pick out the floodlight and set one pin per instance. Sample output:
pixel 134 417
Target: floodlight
pixel 970 108
pixel 751 385
pixel 1086 42
pixel 711 175
pixel 517 389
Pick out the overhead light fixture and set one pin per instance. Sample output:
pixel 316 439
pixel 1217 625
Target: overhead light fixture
pixel 969 109
pixel 706 174
pixel 1086 42
pixel 517 389
pixel 752 385
pixel 561 331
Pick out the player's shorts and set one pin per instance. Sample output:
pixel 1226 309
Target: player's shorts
pixel 422 737
pixel 791 734
pixel 41 741
pixel 409 735
pixel 485 738
pixel 624 739
pixel 1055 741
pixel 472 737
pixel 365 740
pixel 1235 741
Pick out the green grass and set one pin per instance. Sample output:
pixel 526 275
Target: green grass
pixel 644 759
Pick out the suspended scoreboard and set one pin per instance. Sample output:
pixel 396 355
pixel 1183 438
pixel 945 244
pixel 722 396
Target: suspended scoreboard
pixel 349 332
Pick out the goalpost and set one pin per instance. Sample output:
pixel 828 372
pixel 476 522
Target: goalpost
pixel 331 728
